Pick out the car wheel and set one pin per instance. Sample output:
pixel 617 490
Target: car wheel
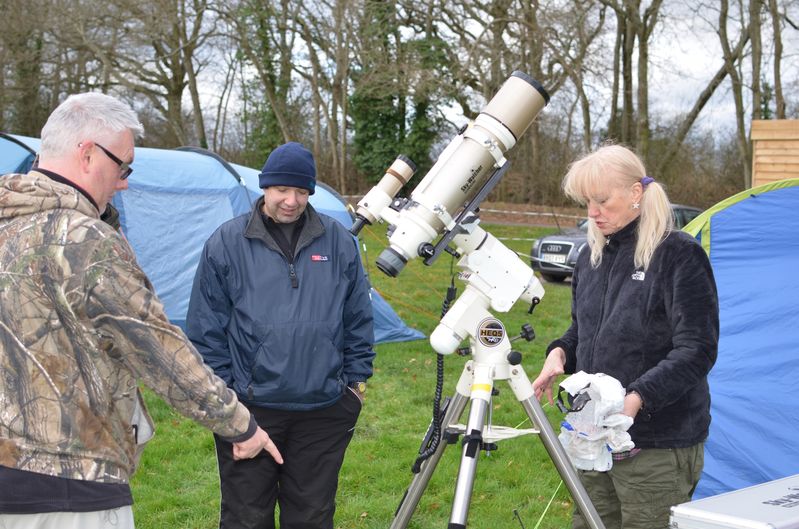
pixel 553 279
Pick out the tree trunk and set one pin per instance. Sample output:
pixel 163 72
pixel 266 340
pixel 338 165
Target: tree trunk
pixel 222 107
pixel 627 81
pixel 645 27
pixel 731 65
pixel 614 125
pixel 777 29
pixel 190 43
pixel 757 57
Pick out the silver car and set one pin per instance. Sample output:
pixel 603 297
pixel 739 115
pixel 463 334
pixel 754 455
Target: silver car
pixel 554 256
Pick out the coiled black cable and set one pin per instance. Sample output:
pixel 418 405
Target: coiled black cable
pixel 433 437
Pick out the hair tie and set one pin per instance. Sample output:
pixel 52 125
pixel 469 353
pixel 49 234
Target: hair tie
pixel 645 181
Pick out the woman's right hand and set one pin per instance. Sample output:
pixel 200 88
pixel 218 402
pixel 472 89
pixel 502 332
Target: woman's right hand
pixel 553 368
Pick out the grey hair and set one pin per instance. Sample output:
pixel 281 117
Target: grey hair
pixel 88 116
pixel 617 167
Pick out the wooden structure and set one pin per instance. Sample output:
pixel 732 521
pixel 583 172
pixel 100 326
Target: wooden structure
pixel 775 150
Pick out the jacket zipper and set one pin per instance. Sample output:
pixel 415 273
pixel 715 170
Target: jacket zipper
pixel 295 280
pixel 602 309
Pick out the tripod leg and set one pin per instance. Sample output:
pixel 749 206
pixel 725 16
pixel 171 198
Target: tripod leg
pixel 471 450
pixel 419 483
pixel 472 441
pixel 523 390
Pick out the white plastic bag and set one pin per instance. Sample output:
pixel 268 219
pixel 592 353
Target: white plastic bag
pixel 596 427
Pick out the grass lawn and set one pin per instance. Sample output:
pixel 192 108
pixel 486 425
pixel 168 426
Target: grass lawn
pixel 177 485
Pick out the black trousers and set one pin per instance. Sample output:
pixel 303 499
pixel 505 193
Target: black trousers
pixel 312 444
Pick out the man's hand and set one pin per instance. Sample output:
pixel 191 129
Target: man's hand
pixel 253 446
pixel 359 388
pixel 553 368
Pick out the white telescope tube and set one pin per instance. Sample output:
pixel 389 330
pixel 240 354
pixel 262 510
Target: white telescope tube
pixel 463 168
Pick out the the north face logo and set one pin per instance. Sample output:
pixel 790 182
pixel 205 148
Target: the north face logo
pixel 639 276
pixel 317 257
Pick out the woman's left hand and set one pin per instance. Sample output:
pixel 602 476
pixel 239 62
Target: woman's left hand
pixel 632 404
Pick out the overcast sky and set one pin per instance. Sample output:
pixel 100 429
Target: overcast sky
pixel 686 54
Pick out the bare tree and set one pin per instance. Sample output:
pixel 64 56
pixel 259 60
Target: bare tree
pixel 266 35
pixel 326 28
pixel 732 65
pixel 644 26
pixel 572 55
pixel 756 56
pixel 564 55
pixel 151 49
pixel 634 31
pixel 704 96
pixel 614 122
pixel 777 31
pixel 549 42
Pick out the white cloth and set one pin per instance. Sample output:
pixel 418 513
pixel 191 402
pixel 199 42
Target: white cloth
pixel 593 433
pixel 120 518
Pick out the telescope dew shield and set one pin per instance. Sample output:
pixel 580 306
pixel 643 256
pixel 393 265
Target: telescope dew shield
pixel 380 196
pixel 515 105
pixel 464 167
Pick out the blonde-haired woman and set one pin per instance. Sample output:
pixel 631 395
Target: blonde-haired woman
pixel 645 311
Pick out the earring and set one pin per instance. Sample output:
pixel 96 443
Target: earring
pixel 636 205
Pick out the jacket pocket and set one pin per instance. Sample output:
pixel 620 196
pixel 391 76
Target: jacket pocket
pixel 297 363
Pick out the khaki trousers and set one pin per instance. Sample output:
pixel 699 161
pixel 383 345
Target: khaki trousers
pixel 638 493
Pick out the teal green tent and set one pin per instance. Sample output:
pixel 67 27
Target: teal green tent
pixel 752 239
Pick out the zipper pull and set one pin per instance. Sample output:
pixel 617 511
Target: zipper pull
pixel 295 282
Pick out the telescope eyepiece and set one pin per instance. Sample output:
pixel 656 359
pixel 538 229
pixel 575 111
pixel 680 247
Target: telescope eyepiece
pixel 358 224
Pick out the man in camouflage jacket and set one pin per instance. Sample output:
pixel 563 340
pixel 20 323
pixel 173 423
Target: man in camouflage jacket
pixel 80 326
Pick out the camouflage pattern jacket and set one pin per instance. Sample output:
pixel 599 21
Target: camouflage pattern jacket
pixel 80 325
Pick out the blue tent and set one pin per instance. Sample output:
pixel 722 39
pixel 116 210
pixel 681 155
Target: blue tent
pixel 752 239
pixel 175 200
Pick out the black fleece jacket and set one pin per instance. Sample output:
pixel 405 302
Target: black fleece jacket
pixel 656 331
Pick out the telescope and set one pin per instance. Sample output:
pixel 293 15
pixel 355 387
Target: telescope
pixel 445 203
pixel 463 175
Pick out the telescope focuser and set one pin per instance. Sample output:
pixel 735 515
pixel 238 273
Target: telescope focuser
pixel 426 250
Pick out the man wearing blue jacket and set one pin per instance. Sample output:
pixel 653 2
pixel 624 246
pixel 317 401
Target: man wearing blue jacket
pixel 280 310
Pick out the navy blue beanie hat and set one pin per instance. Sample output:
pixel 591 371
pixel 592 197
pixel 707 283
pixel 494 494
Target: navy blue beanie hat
pixel 290 165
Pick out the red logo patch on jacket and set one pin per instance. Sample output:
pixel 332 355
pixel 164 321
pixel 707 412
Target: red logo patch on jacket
pixel 317 257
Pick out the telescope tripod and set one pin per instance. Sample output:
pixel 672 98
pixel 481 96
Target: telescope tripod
pixel 490 363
